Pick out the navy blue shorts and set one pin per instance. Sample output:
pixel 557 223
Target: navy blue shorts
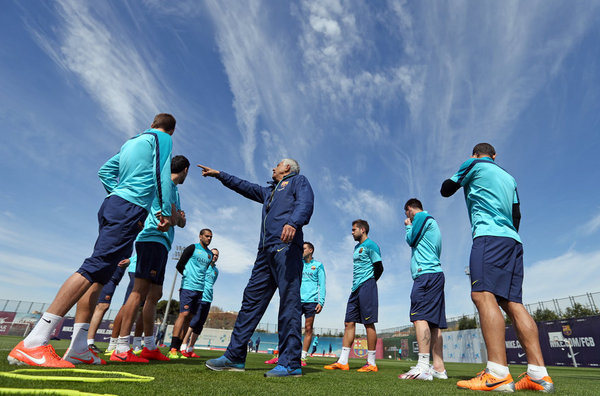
pixel 109 289
pixel 363 304
pixel 119 222
pixel 151 261
pixel 497 267
pixel 189 300
pixel 199 319
pixel 427 300
pixel 308 310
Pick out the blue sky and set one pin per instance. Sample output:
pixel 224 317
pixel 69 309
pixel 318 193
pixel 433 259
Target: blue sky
pixel 378 101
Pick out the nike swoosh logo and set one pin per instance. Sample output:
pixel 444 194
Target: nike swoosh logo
pixel 46 320
pixel 521 354
pixel 492 384
pixel 41 360
pixel 413 313
pixel 88 361
pixel 474 282
pixel 279 250
pixel 367 318
pixel 119 357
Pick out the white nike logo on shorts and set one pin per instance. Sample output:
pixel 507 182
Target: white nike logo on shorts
pixel 41 360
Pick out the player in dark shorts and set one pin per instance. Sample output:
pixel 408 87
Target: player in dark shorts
pixel 496 268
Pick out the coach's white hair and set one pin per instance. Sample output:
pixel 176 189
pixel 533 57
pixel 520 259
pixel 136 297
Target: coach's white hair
pixel 294 167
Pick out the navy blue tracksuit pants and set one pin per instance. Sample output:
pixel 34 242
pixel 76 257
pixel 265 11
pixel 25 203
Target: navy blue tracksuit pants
pixel 276 266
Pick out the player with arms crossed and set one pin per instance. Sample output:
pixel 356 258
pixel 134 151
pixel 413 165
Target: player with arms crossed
pixel 192 265
pixel 496 267
pixel 197 322
pixel 427 306
pixel 363 303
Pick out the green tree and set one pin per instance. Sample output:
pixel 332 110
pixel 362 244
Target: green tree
pixel 578 311
pixel 542 315
pixel 162 305
pixel 467 323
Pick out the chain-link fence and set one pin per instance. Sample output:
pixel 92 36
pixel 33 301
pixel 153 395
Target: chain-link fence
pixel 573 306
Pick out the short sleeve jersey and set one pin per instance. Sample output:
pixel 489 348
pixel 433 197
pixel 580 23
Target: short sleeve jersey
pixel 212 273
pixel 194 273
pixel 312 288
pixel 365 254
pixel 425 239
pixel 133 174
pixel 490 192
pixel 150 233
pixel 132 263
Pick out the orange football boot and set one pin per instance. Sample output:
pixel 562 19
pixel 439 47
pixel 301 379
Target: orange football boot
pixel 337 366
pixel 527 383
pixel 42 356
pixel 484 381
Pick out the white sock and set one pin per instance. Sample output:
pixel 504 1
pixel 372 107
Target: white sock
pixel 183 347
pixel 423 361
pixel 149 343
pixel 344 356
pixel 79 337
pixel 123 344
pixel 304 353
pixel 190 348
pixel 137 343
pixel 536 372
pixel 371 358
pixel 40 335
pixel 90 341
pixel 497 370
pixel 112 344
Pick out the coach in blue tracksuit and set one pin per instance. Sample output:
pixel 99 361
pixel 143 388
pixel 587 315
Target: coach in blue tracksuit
pixel 287 206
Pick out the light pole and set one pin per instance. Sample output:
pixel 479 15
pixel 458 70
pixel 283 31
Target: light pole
pixel 176 256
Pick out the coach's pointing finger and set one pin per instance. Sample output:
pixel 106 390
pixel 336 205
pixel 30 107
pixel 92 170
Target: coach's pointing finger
pixel 206 171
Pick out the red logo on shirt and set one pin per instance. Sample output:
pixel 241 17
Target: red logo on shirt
pixel 313 268
pixel 360 251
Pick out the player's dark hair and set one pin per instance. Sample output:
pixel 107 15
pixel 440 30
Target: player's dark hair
pixel 164 121
pixel 413 203
pixel 205 230
pixel 310 245
pixel 179 163
pixel 484 149
pixel 361 224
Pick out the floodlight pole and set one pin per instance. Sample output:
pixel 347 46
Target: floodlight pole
pixel 176 256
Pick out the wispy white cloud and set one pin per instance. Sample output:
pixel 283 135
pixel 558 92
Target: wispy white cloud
pixel 591 226
pixel 109 65
pixel 364 203
pixel 545 277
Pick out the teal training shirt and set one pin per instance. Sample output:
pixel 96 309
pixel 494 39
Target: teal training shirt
pixel 150 233
pixel 212 273
pixel 132 263
pixel 425 239
pixel 315 341
pixel 194 273
pixel 312 289
pixel 365 254
pixel 490 193
pixel 132 173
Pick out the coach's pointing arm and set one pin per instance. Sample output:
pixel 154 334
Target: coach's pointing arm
pixel 249 190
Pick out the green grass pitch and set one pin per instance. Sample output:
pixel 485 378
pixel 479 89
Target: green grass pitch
pixel 191 377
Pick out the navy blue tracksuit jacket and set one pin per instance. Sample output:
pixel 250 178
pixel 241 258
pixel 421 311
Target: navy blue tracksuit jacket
pixel 278 265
